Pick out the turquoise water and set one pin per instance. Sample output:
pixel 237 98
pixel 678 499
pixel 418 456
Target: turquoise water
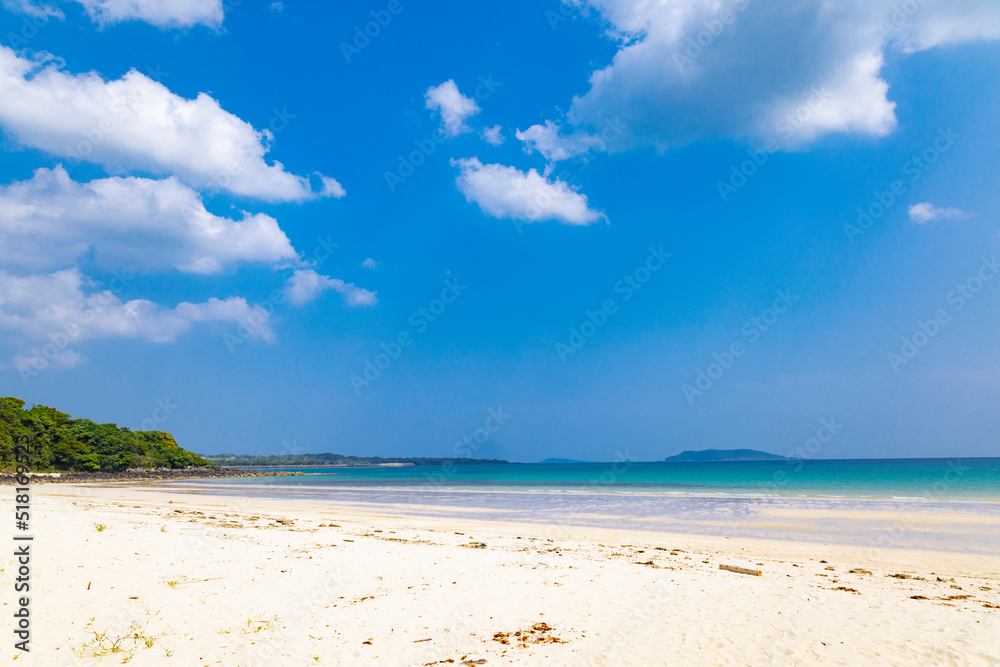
pixel 940 504
pixel 954 479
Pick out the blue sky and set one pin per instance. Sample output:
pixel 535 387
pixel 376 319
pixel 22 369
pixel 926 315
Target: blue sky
pixel 214 217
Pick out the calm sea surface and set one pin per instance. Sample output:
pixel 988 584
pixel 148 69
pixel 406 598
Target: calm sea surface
pixel 951 479
pixel 951 504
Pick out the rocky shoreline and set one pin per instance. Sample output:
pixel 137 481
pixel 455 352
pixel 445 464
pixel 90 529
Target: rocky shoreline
pixel 142 475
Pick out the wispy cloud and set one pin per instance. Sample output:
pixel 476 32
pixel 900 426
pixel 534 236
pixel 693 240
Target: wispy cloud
pixel 926 212
pixel 306 285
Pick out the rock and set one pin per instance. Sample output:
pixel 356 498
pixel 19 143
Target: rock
pixel 145 474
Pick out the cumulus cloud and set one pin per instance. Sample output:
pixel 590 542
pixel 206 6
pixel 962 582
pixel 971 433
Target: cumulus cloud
pixel 493 135
pixel 452 106
pixel 58 307
pixel 926 212
pixel 135 122
pixel 691 69
pixel 506 192
pixel 305 285
pixel 51 221
pixel 555 146
pixel 161 13
pixel 369 263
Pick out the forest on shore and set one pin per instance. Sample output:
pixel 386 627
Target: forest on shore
pixel 56 441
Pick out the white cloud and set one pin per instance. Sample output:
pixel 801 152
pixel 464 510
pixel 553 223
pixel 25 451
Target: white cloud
pixel 546 139
pixel 305 285
pixel 506 192
pixel 278 6
pixel 925 212
pixel 51 221
pixel 52 357
pixel 369 263
pixel 137 123
pixel 34 8
pixel 692 69
pixel 453 107
pixel 493 135
pixel 161 13
pixel 330 187
pixel 56 307
pixel 940 23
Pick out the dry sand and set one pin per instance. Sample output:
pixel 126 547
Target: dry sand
pixel 224 581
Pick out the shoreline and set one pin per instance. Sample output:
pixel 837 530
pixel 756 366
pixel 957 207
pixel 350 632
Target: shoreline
pixel 163 497
pixel 457 487
pixel 248 581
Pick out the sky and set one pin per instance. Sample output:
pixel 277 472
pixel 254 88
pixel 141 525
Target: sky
pixel 591 229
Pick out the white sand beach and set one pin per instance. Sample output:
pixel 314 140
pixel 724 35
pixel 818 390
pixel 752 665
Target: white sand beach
pixel 123 572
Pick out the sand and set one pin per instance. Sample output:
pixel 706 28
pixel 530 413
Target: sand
pixel 124 573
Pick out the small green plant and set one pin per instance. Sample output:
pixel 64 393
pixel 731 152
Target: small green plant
pixel 257 624
pixel 100 527
pixel 105 643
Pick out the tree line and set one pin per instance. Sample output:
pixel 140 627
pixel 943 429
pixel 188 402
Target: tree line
pixel 57 441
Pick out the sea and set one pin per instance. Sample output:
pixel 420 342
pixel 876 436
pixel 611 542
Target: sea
pixel 948 504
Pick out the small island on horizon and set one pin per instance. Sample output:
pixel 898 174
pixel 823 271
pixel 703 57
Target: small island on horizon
pixel 717 455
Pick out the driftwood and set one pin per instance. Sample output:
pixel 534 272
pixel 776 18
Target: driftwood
pixel 741 570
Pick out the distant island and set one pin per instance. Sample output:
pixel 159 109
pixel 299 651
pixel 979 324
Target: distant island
pixel 329 460
pixel 56 441
pixel 724 455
